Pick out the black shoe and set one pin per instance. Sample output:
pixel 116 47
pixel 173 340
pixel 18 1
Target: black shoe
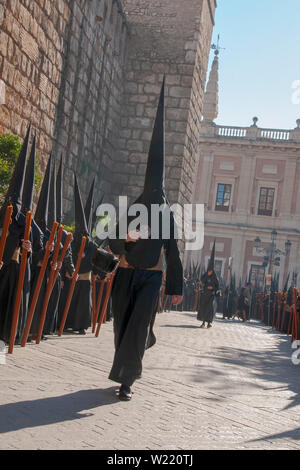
pixel 124 393
pixel 203 325
pixel 209 325
pixel 82 332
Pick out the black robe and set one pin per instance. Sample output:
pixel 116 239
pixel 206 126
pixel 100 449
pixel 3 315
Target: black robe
pixel 9 276
pixel 80 311
pixel 134 304
pixel 205 309
pixel 50 325
pixel 51 321
pixel 135 297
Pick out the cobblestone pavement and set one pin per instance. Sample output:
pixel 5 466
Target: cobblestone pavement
pixel 230 387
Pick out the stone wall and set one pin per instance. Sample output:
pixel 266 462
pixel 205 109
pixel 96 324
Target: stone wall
pixel 87 74
pixel 169 37
pixel 62 64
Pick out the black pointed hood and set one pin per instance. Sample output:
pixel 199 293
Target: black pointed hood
pixel 52 198
pixel 15 189
pixel 199 272
pixel 138 254
pixel 28 188
pixel 41 213
pixel 81 228
pixel 88 210
pixel 59 180
pixel 285 288
pixel 211 263
pixel 155 172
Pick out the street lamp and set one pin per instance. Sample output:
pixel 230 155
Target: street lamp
pixel 272 250
pixel 257 242
pixel 273 235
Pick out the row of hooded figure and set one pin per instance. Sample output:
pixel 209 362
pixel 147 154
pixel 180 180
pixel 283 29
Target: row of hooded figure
pixel 191 289
pixel 48 210
pixel 278 309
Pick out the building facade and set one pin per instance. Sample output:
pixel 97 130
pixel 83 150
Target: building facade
pixel 248 181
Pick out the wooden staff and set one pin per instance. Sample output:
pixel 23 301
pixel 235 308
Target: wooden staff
pixel 98 305
pixel 278 311
pixel 38 285
pixel 20 285
pixel 104 307
pixel 93 297
pixel 72 287
pixel 291 321
pixel 67 243
pixel 104 316
pixel 6 224
pixel 274 309
pixel 196 299
pixel 50 285
pixel 295 316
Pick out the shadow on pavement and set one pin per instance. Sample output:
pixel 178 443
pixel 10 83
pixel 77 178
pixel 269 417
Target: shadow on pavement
pixel 180 326
pixel 45 411
pixel 268 365
pixel 293 434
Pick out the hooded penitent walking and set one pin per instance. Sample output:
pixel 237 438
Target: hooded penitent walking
pixel 41 218
pixel 80 311
pixel 19 195
pixel 79 316
pixel 138 279
pixel 210 288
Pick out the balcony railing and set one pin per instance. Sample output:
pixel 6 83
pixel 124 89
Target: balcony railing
pixel 274 134
pixel 251 133
pixel 232 132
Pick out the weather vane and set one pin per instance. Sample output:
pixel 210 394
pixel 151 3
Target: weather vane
pixel 216 47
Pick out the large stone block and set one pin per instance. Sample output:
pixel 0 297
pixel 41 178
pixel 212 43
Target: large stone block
pixel 180 92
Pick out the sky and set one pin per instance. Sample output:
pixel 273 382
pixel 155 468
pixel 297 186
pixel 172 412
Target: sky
pixel 260 62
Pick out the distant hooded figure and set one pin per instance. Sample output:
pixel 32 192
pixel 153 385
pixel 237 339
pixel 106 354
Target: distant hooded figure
pixel 210 288
pixel 138 280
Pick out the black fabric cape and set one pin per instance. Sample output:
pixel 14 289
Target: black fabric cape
pixel 79 316
pixel 9 276
pixel 134 297
pixel 145 253
pixel 80 311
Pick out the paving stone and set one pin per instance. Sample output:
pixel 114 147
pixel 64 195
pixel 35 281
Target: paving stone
pixel 231 387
